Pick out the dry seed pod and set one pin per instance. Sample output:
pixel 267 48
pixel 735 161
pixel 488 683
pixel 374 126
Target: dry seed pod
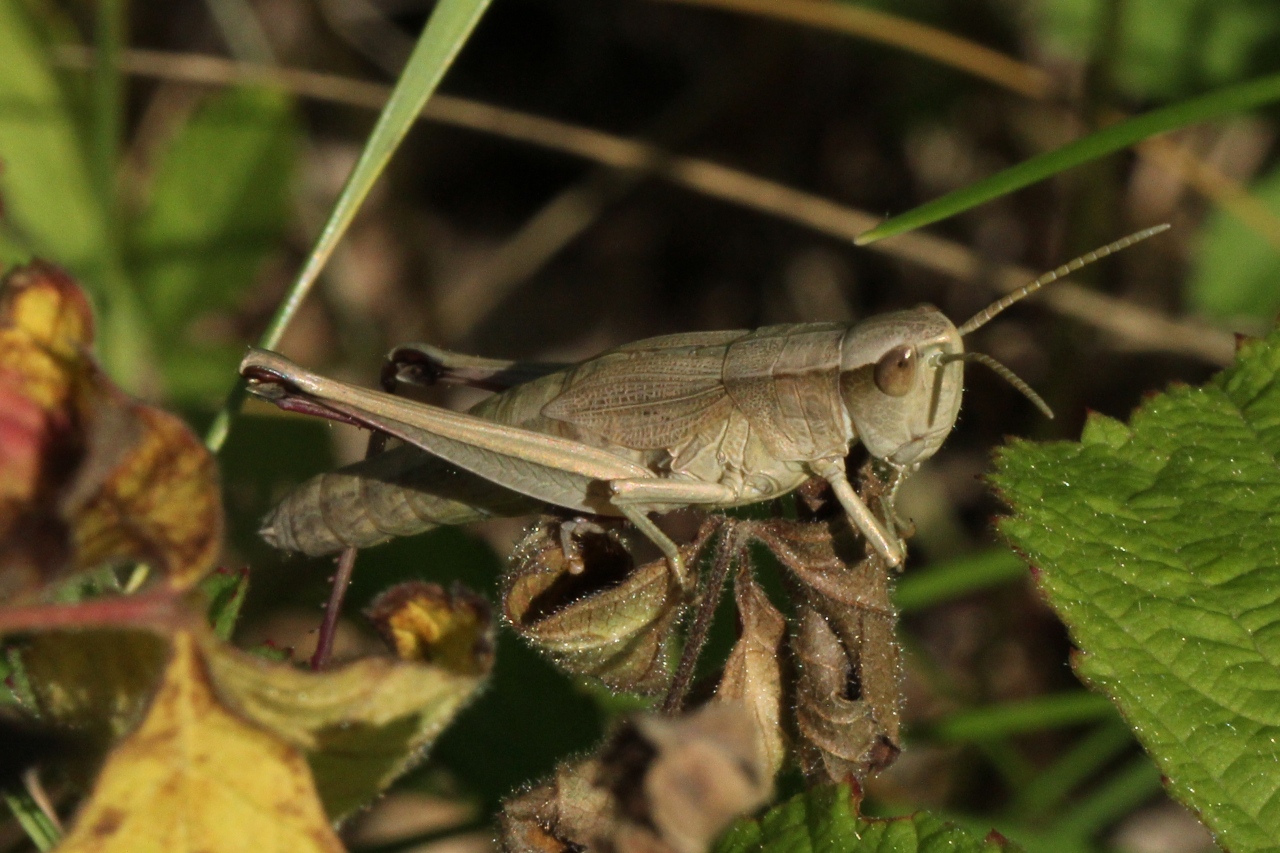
pixel 848 690
pixel 659 785
pixel 610 619
pixel 753 672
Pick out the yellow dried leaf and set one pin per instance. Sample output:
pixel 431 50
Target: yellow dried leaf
pixel 46 324
pixel 195 777
pixel 159 503
pixel 422 622
pixel 88 475
pixel 363 724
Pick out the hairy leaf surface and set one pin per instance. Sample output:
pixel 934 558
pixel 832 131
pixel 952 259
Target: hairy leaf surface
pixel 825 820
pixel 1158 543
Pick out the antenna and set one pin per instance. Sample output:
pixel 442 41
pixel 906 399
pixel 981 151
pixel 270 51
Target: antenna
pixel 1004 373
pixel 984 316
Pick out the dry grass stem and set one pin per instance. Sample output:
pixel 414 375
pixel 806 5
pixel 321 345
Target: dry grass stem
pixel 1137 327
pixel 931 42
pixel 1010 74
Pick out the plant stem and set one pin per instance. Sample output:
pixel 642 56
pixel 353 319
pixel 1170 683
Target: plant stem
pixel 731 546
pixel 332 610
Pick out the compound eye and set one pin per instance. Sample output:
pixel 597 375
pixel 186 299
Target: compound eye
pixel 896 371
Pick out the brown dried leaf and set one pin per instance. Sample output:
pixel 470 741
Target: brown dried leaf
pixel 658 785
pixel 90 476
pixel 753 671
pixel 195 777
pixel 364 724
pixel 848 690
pixel 612 620
pixel 710 768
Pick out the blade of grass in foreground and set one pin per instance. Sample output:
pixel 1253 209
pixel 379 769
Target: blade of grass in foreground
pixel 446 32
pixel 1234 99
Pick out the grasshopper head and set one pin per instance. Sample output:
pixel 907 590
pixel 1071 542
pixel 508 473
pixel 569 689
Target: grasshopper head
pixel 900 389
pixel 901 374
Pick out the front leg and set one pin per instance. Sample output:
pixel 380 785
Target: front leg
pixel 884 542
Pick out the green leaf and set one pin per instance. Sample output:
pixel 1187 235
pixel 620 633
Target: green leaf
pixel 1043 712
pixel 825 820
pixel 363 724
pixel 1157 544
pixel 225 591
pixel 219 206
pixel 1234 99
pixel 1169 47
pixel 1236 269
pixel 49 199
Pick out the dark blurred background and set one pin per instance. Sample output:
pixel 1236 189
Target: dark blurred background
pixel 484 243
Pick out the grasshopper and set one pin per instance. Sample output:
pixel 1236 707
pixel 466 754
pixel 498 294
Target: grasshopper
pixel 703 419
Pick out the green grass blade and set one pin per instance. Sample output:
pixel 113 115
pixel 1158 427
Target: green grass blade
pixel 43 834
pixel 955 578
pixel 107 106
pixel 1044 794
pixel 1129 787
pixel 1043 712
pixel 447 30
pixel 1233 99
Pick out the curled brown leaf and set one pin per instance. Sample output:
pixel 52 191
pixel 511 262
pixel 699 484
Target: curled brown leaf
pixel 594 612
pixel 848 687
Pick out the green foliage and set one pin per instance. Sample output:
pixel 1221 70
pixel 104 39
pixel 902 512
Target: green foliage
pixel 220 199
pixel 1170 47
pixel 1156 544
pixel 1232 99
pixel 947 581
pixel 218 206
pixel 825 820
pixel 225 591
pixel 1236 269
pixel 48 194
